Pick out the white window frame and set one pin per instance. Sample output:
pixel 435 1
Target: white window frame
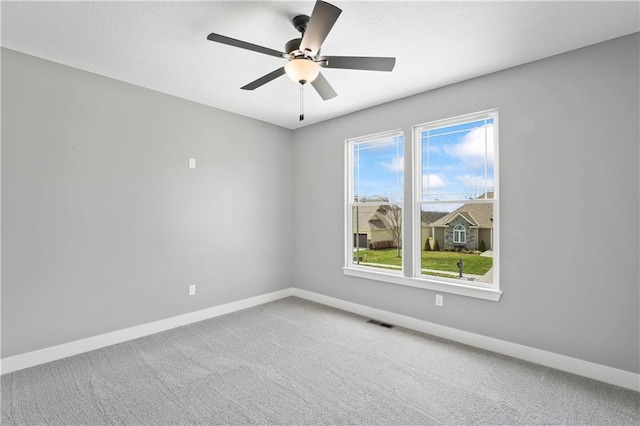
pixel 459 231
pixel 350 204
pixel 412 274
pixel 494 287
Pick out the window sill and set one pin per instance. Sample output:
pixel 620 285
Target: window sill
pixel 424 283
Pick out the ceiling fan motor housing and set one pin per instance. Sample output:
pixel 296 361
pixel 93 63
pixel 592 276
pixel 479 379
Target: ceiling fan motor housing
pixel 293 46
pixel 293 49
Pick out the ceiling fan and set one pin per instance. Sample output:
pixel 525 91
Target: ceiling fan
pixel 303 54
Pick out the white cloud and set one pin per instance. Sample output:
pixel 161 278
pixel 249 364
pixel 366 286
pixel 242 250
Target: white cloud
pixel 433 181
pixel 395 165
pixel 472 146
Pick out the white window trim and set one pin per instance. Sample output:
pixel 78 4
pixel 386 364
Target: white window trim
pixel 444 286
pixel 493 288
pixel 482 291
pixel 348 190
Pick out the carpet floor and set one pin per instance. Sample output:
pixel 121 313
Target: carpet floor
pixel 297 362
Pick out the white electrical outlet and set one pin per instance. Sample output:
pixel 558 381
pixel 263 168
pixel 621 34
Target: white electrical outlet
pixel 439 300
pixel 192 290
pixel 192 163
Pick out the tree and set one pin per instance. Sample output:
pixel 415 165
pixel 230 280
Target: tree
pixel 394 214
pixel 436 247
pixel 472 193
pixel 427 246
pixel 482 247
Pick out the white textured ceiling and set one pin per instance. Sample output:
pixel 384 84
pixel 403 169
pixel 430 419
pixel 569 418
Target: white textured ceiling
pixel 163 45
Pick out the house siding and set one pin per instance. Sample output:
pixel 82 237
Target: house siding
pixel 426 233
pixel 382 238
pixel 438 234
pixel 486 236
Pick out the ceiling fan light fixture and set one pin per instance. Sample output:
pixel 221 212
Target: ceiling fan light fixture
pixel 302 70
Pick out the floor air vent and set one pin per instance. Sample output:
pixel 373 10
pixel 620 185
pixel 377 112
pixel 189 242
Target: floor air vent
pixel 381 324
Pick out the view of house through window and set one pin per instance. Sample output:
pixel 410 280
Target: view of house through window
pixel 454 201
pixel 457 199
pixel 375 199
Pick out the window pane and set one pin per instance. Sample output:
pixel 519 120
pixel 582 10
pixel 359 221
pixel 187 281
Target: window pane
pixel 454 232
pixel 377 236
pixel 378 167
pixel 457 161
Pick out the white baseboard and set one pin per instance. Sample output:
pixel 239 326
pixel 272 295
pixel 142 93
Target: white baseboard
pixel 614 376
pixel 580 367
pixel 76 347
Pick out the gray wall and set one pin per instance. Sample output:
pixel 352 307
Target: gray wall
pixel 103 224
pixel 569 163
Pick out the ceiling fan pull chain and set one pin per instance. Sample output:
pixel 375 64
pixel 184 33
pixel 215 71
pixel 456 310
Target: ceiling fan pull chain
pixel 301 102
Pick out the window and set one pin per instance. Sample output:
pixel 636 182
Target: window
pixel 459 234
pixel 375 192
pixel 453 210
pixel 456 199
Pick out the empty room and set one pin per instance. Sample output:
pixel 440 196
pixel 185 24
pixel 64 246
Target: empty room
pixel 311 212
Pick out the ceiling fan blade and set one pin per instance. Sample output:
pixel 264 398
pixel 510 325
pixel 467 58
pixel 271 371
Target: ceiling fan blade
pixel 264 79
pixel 244 45
pixel 323 17
pixel 358 63
pixel 323 88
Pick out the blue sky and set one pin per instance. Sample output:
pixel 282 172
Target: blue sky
pixel 378 168
pixel 453 160
pixel 454 164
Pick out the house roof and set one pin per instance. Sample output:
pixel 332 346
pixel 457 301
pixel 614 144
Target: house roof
pixel 371 217
pixel 465 215
pixel 376 217
pixel 480 215
pixel 430 217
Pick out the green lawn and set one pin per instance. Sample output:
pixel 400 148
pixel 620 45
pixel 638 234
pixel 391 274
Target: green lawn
pixel 384 256
pixel 446 261
pixel 438 260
